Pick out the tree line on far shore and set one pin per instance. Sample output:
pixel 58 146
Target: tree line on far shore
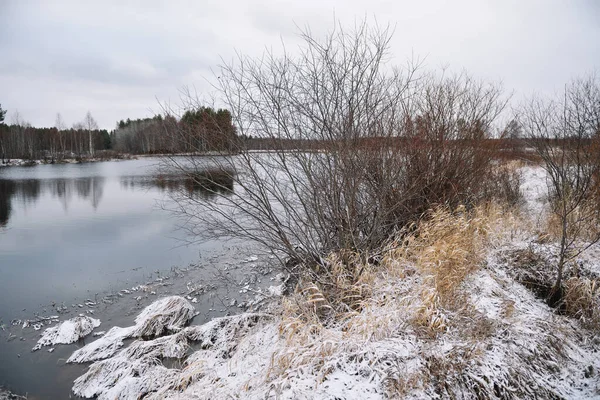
pixel 203 128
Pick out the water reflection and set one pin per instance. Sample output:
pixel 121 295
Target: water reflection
pixel 7 189
pixel 27 191
pixel 205 184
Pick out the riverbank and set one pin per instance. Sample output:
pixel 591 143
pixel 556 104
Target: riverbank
pixel 446 313
pixel 107 156
pixel 232 288
pixel 19 162
pixel 417 331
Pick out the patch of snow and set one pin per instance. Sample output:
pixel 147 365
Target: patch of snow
pixel 67 332
pixel 534 190
pixel 169 314
pixel 102 348
pixel 275 290
pixel 166 314
pixel 135 371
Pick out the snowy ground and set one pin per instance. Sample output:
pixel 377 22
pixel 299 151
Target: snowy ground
pixel 500 342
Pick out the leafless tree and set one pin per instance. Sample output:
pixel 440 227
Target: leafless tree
pixel 60 127
pixel 358 148
pixel 90 125
pixel 565 132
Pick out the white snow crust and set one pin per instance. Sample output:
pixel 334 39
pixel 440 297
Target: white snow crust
pixel 169 314
pixel 67 332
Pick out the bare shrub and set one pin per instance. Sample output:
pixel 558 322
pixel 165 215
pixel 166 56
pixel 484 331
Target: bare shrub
pixel 357 149
pixel 504 184
pixel 565 133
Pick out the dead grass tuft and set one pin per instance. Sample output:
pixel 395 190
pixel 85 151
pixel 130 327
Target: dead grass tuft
pixel 582 300
pixel 446 247
pixel 335 289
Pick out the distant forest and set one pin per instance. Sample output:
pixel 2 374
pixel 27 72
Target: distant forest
pixel 204 128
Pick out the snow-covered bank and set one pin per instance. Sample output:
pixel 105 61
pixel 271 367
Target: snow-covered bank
pixel 137 371
pixel 514 346
pixel 168 314
pixel 68 331
pixel 19 162
pixel 488 337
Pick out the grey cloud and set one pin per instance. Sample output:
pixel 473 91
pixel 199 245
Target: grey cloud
pixel 115 58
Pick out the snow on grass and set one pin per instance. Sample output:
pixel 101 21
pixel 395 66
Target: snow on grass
pixel 102 348
pixel 486 336
pixel 511 345
pixel 169 314
pixel 67 332
pixel 136 370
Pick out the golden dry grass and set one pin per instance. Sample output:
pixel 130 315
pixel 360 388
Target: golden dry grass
pixel 416 286
pixel 582 300
pixel 446 248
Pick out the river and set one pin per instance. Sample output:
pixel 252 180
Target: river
pixel 73 232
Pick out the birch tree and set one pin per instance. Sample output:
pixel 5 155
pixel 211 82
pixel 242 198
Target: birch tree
pixel 90 125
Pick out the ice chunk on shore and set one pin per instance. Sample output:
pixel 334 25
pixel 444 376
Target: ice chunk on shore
pixel 67 332
pixel 168 314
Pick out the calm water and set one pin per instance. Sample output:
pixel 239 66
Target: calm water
pixel 76 231
pixel 69 231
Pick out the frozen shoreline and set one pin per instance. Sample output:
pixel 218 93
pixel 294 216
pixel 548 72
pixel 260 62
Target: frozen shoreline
pixel 511 341
pixel 241 356
pixel 215 286
pixel 18 162
pixel 523 344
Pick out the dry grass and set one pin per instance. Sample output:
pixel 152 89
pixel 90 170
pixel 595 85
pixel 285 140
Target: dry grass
pixel 336 289
pixel 416 287
pixel 446 247
pixel 582 300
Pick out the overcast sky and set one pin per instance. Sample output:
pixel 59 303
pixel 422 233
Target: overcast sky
pixel 116 58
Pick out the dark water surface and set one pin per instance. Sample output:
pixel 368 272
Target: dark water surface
pixel 71 230
pixel 79 231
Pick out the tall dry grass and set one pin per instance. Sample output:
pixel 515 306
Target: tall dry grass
pixel 582 300
pixel 414 285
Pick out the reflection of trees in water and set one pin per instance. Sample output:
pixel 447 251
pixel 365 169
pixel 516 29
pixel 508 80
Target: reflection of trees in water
pixel 25 190
pixel 205 184
pixel 90 188
pixel 29 190
pixel 7 188
pixel 63 190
